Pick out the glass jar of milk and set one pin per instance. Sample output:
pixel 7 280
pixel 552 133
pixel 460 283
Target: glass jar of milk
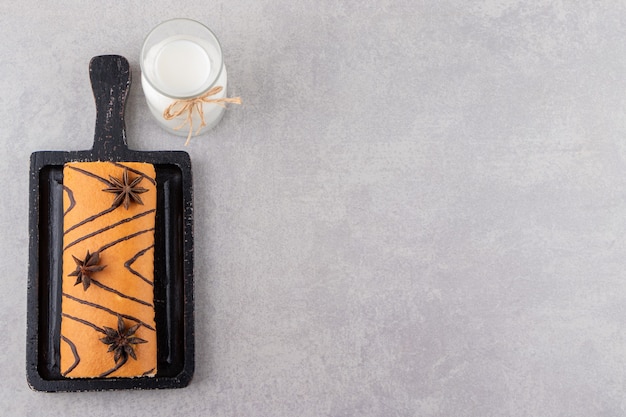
pixel 181 60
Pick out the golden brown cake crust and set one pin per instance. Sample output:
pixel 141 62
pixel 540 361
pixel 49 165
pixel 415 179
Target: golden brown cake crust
pixel 107 324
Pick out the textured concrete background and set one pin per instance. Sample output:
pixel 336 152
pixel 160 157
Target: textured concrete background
pixel 418 211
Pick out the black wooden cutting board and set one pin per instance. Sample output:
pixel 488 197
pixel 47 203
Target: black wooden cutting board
pixel 173 285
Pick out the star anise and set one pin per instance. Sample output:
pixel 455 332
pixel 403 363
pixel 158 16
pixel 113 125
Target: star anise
pixel 125 189
pixel 86 267
pixel 121 341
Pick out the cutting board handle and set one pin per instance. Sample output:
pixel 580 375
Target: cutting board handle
pixel 110 81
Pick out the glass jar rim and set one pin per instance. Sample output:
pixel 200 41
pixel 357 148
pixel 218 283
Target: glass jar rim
pixel 202 27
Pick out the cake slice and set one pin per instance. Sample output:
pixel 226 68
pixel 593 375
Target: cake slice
pixel 107 310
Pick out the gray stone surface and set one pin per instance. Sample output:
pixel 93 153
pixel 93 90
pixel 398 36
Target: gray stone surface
pixel 418 211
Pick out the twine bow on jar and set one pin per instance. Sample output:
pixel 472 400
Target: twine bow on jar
pixel 182 106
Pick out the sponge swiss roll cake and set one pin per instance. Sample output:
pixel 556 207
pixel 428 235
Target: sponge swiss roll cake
pixel 107 319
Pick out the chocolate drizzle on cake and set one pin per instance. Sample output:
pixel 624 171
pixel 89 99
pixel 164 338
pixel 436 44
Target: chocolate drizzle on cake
pixel 74 352
pixel 70 196
pixel 82 321
pixel 132 260
pixel 109 227
pixel 106 309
